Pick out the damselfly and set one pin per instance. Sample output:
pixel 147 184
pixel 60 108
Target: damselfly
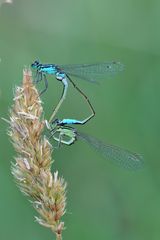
pixel 88 72
pixel 65 134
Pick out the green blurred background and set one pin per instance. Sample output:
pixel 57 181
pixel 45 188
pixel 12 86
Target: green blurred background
pixel 104 201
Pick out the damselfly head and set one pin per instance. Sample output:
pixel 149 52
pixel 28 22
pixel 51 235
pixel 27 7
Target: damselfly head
pixel 35 64
pixel 56 122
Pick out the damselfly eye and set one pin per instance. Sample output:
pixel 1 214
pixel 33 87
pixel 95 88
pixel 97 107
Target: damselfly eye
pixel 36 62
pixel 56 121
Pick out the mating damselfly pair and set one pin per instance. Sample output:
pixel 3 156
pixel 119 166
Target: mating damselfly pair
pixel 61 130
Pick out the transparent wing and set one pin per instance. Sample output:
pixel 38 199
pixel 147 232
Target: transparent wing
pixel 118 155
pixel 92 72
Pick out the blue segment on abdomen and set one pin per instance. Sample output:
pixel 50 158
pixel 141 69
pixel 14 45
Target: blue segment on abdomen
pixel 70 121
